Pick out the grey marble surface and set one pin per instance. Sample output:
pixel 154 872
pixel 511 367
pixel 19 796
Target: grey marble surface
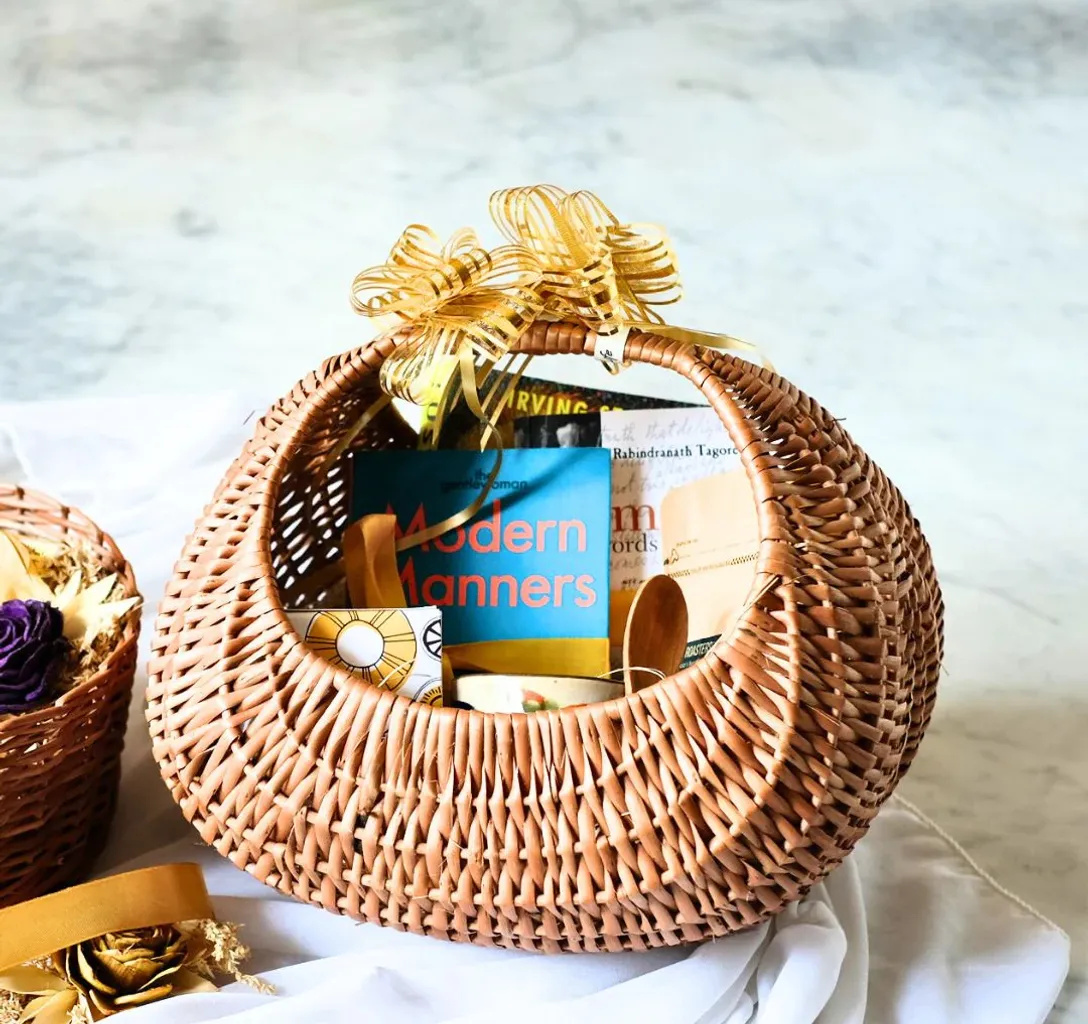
pixel 890 197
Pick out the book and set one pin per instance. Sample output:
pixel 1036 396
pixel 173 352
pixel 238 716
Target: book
pixel 527 578
pixel 534 397
pixel 398 649
pixel 575 430
pixel 653 451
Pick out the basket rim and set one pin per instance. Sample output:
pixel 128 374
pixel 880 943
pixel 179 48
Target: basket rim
pixel 739 429
pixel 18 497
pixel 693 809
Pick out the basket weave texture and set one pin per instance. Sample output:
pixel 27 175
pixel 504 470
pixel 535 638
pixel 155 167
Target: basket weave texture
pixel 60 764
pixel 695 808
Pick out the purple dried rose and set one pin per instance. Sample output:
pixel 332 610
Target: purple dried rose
pixel 31 640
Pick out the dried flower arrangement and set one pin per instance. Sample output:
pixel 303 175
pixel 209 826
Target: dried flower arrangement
pixel 85 953
pixel 60 617
pixel 119 970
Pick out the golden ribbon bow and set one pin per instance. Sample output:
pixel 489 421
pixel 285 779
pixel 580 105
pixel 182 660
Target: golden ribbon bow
pixel 567 257
pixel 459 297
pixel 594 269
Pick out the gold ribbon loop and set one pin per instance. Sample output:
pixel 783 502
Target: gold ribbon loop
pixel 595 269
pixel 457 296
pixel 567 257
pixel 167 894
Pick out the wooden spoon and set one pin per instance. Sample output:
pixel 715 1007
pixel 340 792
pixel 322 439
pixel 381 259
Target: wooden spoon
pixel 656 633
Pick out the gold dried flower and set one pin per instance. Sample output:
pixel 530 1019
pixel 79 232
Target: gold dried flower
pixel 123 969
pixel 86 982
pixel 90 601
pixel 57 977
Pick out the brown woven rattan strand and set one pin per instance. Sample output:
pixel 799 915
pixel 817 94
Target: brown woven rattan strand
pixel 695 808
pixel 60 764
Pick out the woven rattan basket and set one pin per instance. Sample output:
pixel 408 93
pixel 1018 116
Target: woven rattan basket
pixel 695 808
pixel 60 764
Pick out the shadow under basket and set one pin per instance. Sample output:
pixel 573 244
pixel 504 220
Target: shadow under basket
pixel 60 763
pixel 695 808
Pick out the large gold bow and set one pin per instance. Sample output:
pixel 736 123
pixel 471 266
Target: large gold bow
pixel 594 269
pixel 567 257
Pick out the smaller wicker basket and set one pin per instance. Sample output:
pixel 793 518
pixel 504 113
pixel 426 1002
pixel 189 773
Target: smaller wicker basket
pixel 60 764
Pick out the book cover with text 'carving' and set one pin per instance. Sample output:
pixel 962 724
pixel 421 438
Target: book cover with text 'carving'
pixel 532 564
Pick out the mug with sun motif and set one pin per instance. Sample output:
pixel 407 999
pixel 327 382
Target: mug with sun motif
pixel 398 649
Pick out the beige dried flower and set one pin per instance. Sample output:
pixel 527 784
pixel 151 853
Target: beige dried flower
pixel 11 1008
pixel 214 948
pixel 90 600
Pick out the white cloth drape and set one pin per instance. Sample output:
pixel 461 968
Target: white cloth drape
pixel 907 930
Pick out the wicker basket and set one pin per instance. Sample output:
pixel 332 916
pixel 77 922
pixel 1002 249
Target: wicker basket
pixel 697 807
pixel 60 764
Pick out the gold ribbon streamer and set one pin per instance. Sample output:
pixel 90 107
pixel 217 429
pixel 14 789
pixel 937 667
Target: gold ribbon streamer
pixel 166 894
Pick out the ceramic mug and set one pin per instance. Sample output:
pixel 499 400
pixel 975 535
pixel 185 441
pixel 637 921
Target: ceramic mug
pixel 499 692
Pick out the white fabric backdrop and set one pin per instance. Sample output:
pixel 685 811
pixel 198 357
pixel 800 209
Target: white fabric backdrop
pixel 907 930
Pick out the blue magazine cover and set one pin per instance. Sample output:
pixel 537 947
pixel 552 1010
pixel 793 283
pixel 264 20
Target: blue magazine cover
pixel 532 564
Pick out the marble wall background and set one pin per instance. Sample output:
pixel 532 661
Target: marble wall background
pixel 891 197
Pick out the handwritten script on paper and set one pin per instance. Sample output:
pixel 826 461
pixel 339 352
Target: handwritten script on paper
pixel 653 451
